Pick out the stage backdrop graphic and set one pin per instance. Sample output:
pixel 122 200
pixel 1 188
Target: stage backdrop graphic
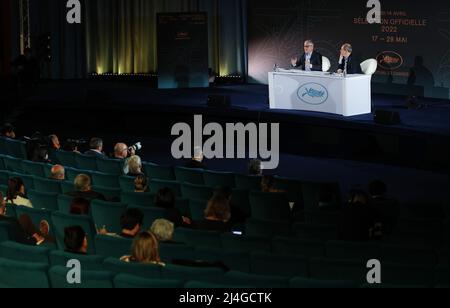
pixel 412 44
pixel 182 50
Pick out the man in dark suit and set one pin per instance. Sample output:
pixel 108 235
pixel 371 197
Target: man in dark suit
pixel 96 148
pixel 347 62
pixel 310 61
pixel 83 189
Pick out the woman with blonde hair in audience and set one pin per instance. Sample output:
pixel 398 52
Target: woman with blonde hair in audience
pixel 134 166
pixel 145 249
pixel 141 184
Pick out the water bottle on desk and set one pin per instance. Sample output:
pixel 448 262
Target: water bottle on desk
pixel 276 68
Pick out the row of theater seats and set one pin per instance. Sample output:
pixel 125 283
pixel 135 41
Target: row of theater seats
pixel 265 270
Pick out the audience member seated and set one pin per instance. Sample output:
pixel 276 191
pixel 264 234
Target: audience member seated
pixel 268 183
pixel 70 146
pixel 83 189
pixel 8 131
pixel 122 152
pixel 80 206
pixel 237 215
pixel 357 219
pixel 163 230
pixel 165 198
pixel 41 236
pixel 131 223
pixel 135 166
pixel 95 148
pixel 54 142
pixel 197 160
pixel 217 215
pixel 16 231
pixel 75 240
pixel 40 154
pixel 16 193
pixel 58 173
pixel 145 249
pixel 386 210
pixel 255 168
pixel 141 184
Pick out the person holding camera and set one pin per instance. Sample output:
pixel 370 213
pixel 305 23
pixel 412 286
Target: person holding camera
pixel 123 152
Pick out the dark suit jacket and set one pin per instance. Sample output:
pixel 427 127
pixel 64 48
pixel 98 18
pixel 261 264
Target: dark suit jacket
pixel 92 153
pixel 193 164
pixel 353 66
pixel 316 61
pixel 88 195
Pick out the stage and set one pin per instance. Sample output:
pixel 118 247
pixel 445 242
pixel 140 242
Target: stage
pixel 135 108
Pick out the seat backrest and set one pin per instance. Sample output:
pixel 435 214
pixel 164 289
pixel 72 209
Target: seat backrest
pixel 107 214
pixel 125 281
pixel 117 266
pixel 369 67
pixel 62 221
pixel 89 263
pixel 158 172
pixel 110 246
pixel 25 253
pixel 187 175
pixel 15 274
pixel 326 64
pixel 89 279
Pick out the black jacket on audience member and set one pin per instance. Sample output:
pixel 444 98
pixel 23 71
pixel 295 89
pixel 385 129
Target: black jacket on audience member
pixel 355 224
pixel 194 164
pixel 88 195
pixel 211 225
pixel 16 233
pixel 96 154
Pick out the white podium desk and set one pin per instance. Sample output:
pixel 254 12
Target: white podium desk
pixel 320 92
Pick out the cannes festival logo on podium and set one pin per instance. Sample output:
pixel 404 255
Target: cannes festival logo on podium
pixel 313 93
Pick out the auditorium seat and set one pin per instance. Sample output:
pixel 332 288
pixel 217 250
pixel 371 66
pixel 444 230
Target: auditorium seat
pixel 36 169
pixel 85 162
pixel 47 185
pixel 186 273
pixel 156 185
pixel 62 221
pixel 240 200
pixel 15 274
pixel 267 228
pixel 332 269
pixel 137 269
pixel 124 281
pixel 292 246
pixel 159 172
pixel 126 183
pixel 43 200
pixel 107 214
pixel 64 203
pixel 105 180
pixel 72 173
pixel 3 189
pixel 442 275
pixel 67 159
pixel 265 263
pixel 197 208
pixel 315 232
pixel 307 283
pixel 11 210
pixel 245 243
pixel 292 188
pixel 179 251
pixel 405 274
pixel 110 166
pixel 188 175
pixel 24 253
pixel 4 176
pixel 234 260
pixel 67 187
pixel 322 217
pixel 112 246
pixel 28 180
pixel 16 148
pixel 150 214
pixel 407 254
pixel 37 215
pixel 88 262
pixel 140 199
pixel 108 193
pixel 270 206
pixel 198 237
pixel 193 191
pixel 3 149
pixel 256 281
pixel 89 279
pixel 4 232
pixel 219 179
pixel 350 250
pixel 248 182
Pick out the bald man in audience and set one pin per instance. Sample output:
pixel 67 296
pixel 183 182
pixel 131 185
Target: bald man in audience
pixel 122 152
pixel 58 173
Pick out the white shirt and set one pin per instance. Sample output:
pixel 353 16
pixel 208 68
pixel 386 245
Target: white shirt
pixel 308 60
pixel 20 201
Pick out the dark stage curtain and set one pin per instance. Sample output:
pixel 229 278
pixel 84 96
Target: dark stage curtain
pixel 5 39
pixel 121 34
